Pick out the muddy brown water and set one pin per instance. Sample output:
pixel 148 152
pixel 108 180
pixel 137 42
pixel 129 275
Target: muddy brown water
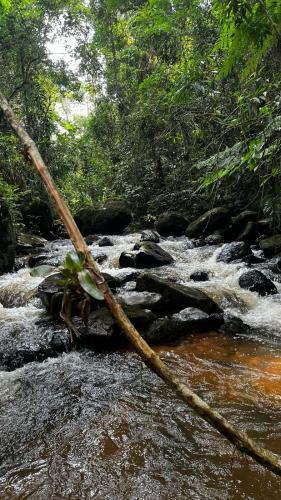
pixel 103 426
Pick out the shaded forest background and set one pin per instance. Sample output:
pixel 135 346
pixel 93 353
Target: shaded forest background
pixel 185 103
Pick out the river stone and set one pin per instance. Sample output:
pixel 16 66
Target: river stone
pixel 208 222
pixel 187 321
pixel 214 239
pixel 7 240
pixel 233 251
pixel 271 246
pixel 146 255
pixel 111 218
pixel 149 235
pixel 146 300
pixel 101 332
pixel 199 276
pixel 240 220
pixel 51 294
pixel 256 281
pixel 152 255
pixel 141 318
pixel 171 224
pixel 233 325
pixel 249 232
pixel 105 242
pixel 176 297
pixel 127 259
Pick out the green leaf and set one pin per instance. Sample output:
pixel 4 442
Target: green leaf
pixel 87 283
pixel 73 263
pixel 42 271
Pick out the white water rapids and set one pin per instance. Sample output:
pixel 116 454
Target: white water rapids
pixel 102 426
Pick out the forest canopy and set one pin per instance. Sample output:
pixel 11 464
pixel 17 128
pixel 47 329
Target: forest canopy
pixel 185 106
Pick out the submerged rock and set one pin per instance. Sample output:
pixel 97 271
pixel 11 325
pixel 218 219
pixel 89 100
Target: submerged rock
pixel 271 246
pixel 171 224
pixel 233 251
pixel 176 297
pixel 208 222
pixel 111 218
pixel 199 276
pixel 233 325
pixel 256 281
pixel 105 242
pixel 187 321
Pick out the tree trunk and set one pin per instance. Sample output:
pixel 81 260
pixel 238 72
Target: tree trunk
pixel 235 436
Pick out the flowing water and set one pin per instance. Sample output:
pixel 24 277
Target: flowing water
pixel 103 426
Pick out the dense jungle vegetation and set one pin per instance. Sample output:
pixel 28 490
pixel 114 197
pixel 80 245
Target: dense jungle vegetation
pixel 185 102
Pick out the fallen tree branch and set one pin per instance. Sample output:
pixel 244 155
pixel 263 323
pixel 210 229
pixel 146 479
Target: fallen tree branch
pixel 239 438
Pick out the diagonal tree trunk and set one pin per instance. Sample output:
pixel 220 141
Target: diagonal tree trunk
pixel 238 438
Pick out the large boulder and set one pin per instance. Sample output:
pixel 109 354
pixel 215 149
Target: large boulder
pixel 38 218
pixel 234 251
pixel 7 240
pixel 176 297
pixel 171 224
pixel 271 246
pixel 146 255
pixel 111 218
pixel 240 220
pixel 208 222
pixel 256 281
pixel 187 321
pixel 248 233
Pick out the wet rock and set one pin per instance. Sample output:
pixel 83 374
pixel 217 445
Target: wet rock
pixel 152 255
pixel 7 240
pixel 171 224
pixel 27 243
pixel 105 242
pixel 208 222
pixel 199 276
pixel 92 238
pixel 101 333
pixel 275 264
pixel 51 294
pixel 149 235
pixel 60 341
pixel 146 300
pixel 214 239
pixel 38 218
pixel 240 220
pixel 127 259
pixel 249 233
pixel 264 226
pixel 111 218
pixel 187 321
pixel 36 260
pixel 233 251
pixel 141 318
pixel 14 359
pixel 256 281
pixel 233 325
pixel 176 297
pixel 100 258
pixel 271 246
pixel 146 255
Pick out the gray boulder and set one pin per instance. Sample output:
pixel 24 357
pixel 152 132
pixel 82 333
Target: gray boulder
pixel 146 255
pixel 171 224
pixel 176 297
pixel 111 218
pixel 149 235
pixel 208 222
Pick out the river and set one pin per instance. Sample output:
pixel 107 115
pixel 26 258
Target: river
pixel 103 426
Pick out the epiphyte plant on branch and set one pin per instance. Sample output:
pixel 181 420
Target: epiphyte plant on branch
pixel 79 288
